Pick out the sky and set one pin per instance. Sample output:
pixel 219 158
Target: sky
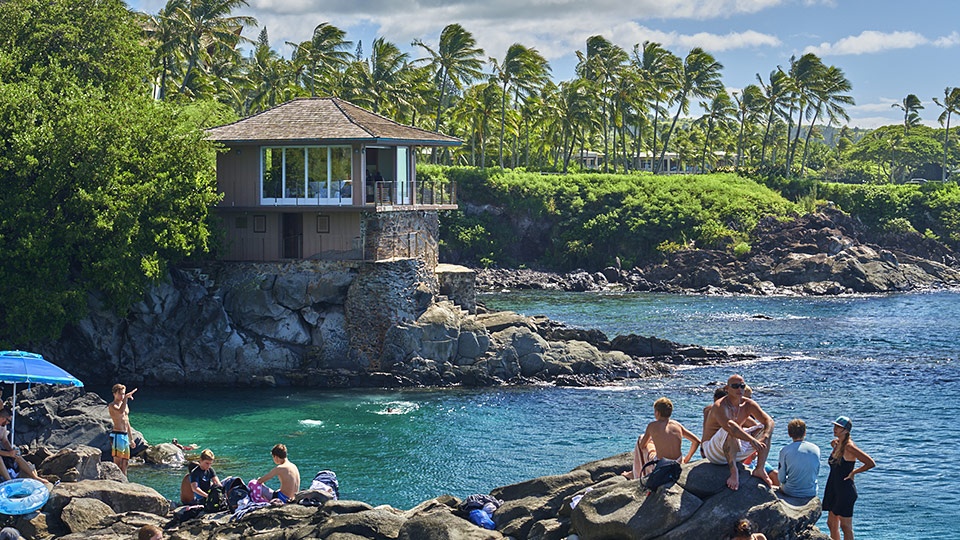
pixel 887 49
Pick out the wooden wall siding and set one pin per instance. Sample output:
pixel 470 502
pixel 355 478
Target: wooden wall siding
pixel 238 176
pixel 244 243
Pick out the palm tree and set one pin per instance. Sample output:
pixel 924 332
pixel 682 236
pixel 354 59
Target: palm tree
pixel 720 113
pixel 599 66
pixel 950 105
pixel 206 23
pixel 523 68
pixel 381 82
pixel 749 104
pixel 775 95
pixel 270 77
pixel 659 70
pixel 457 60
pixel 805 74
pixel 699 77
pixel 910 107
pixel 324 55
pixel 165 32
pixel 830 97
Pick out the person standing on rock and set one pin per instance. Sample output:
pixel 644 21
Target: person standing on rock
pixel 122 432
pixel 841 493
pixel 286 472
pixel 726 442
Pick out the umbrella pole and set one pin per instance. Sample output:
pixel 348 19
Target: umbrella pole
pixel 13 416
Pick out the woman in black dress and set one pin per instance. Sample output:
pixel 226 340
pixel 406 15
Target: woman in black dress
pixel 841 492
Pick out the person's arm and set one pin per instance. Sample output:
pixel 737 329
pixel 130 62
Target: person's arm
pixel 196 489
pixel 764 419
pixel 694 443
pixel 269 475
pixel 733 428
pixel 216 481
pixel 867 461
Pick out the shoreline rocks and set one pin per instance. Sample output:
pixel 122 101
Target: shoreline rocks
pixel 591 501
pixel 823 254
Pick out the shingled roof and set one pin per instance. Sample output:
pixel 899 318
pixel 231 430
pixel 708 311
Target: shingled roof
pixel 324 121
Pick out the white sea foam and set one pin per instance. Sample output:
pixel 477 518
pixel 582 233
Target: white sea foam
pixel 311 423
pixel 397 407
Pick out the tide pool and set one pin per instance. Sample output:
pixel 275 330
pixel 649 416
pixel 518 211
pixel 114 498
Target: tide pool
pixel 890 363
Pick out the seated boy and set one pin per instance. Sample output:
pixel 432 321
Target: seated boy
pixel 286 471
pixel 661 442
pixel 202 477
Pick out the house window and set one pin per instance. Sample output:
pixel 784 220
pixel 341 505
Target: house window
pixel 306 175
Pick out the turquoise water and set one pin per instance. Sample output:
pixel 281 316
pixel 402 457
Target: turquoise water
pixel 890 363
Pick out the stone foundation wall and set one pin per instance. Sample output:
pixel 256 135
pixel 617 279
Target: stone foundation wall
pixel 458 283
pixel 401 234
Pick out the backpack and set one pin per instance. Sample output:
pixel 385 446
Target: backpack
pixel 326 479
pixel 214 501
pixel 235 491
pixel 664 474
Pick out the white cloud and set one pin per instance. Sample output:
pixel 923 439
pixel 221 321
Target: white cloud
pixel 869 41
pixel 951 40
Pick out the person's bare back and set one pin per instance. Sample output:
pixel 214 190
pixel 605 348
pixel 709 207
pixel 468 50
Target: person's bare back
pixel 667 436
pixel 285 471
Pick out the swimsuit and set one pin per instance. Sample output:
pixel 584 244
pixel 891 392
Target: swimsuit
pixel 121 444
pixel 840 494
pixel 713 447
pixel 279 495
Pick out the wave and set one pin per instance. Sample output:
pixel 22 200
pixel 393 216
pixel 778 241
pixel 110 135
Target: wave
pixel 311 423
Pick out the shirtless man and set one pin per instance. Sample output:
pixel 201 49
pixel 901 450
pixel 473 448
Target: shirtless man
pixel 122 431
pixel 286 471
pixel 662 440
pixel 726 442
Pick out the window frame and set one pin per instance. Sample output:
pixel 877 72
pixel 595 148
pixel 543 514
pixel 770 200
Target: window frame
pixel 334 187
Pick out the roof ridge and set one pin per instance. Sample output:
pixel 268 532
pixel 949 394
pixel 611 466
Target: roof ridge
pixel 337 103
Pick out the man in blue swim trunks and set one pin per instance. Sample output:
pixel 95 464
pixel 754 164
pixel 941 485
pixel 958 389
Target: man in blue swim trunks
pixel 286 471
pixel 122 431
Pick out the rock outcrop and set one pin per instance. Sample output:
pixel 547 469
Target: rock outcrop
pixel 826 253
pixel 591 502
pixel 323 324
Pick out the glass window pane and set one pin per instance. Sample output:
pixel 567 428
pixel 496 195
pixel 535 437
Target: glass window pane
pixel 272 172
pixel 294 181
pixel 341 170
pixel 318 185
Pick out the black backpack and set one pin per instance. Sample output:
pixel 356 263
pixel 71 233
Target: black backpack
pixel 663 475
pixel 235 491
pixel 214 501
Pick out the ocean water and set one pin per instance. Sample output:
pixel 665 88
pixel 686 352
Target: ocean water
pixel 888 362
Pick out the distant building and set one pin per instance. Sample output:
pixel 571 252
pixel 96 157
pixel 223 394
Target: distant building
pixel 322 178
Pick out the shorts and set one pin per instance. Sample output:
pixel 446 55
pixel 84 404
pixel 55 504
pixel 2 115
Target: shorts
pixel 121 445
pixel 279 495
pixel 713 448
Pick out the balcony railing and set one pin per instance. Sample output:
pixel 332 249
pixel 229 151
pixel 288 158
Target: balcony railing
pixel 386 193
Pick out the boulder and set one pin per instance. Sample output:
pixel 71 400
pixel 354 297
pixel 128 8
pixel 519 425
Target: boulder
pixel 526 503
pixel 83 513
pixel 84 460
pixel 443 525
pixel 119 497
pixel 379 522
pixel 164 454
pixel 698 505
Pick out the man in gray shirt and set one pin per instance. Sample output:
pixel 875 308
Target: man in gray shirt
pixel 799 463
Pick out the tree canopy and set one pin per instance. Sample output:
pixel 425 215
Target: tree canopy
pixel 103 186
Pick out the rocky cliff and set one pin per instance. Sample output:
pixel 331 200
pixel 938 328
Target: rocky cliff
pixel 327 324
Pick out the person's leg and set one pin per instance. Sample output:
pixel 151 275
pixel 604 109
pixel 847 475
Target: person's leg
pixel 846 525
pixel 833 523
pixel 731 447
pixel 759 470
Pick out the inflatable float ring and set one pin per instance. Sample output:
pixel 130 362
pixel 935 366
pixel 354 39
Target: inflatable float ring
pixel 22 496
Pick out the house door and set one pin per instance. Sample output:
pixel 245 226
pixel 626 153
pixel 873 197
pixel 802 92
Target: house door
pixel 292 236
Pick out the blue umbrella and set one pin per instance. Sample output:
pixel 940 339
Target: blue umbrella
pixel 19 366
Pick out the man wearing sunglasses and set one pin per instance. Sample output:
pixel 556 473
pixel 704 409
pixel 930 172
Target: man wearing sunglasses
pixel 726 442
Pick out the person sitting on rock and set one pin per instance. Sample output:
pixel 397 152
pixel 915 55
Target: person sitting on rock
pixel 662 441
pixel 726 442
pixel 286 471
pixel 202 477
pixel 799 463
pixel 14 466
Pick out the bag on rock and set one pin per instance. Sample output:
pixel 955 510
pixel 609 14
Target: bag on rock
pixel 214 502
pixel 235 491
pixel 663 474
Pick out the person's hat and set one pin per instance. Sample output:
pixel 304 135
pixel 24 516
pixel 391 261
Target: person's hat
pixel 843 422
